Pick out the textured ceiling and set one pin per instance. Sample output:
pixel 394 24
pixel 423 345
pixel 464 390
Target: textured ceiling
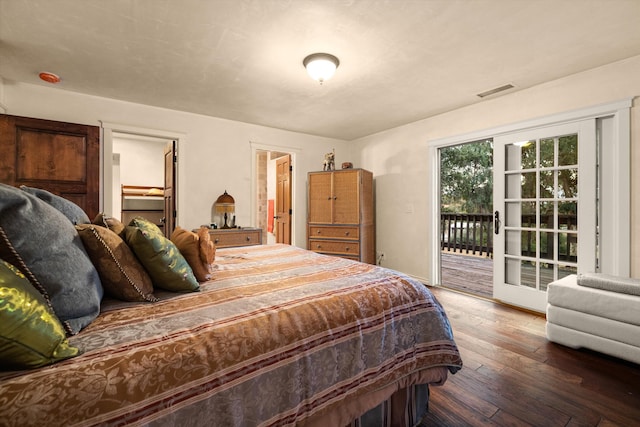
pixel 400 60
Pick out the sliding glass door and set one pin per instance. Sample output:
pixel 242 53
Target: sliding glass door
pixel 544 209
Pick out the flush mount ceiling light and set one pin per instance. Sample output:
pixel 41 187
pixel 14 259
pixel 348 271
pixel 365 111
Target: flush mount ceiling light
pixel 49 77
pixel 321 66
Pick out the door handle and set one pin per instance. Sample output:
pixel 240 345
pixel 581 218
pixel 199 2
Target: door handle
pixel 496 222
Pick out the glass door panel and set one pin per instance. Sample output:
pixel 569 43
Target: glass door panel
pixel 538 175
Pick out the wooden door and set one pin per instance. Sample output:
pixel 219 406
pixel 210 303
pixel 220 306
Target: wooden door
pixel 170 211
pixel 63 158
pixel 283 200
pixel 320 198
pixel 346 197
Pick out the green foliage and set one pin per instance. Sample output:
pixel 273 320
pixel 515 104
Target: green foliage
pixel 466 177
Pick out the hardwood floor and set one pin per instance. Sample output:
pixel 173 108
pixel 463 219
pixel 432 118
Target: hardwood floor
pixel 513 376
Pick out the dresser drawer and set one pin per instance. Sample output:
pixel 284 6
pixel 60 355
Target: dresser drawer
pixel 335 247
pixel 235 237
pixel 332 232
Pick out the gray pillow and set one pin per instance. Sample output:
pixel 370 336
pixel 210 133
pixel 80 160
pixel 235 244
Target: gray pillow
pixel 45 246
pixel 72 211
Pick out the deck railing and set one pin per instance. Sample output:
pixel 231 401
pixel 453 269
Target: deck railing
pixel 467 233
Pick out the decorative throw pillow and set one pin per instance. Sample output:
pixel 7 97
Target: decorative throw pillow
pixel 31 335
pixel 196 251
pixel 160 257
pixel 43 244
pixel 207 247
pixel 113 224
pixel 72 211
pixel 121 273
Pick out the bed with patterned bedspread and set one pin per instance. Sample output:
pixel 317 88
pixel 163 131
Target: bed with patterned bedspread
pixel 279 336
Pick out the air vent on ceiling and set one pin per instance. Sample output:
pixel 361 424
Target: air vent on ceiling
pixel 496 90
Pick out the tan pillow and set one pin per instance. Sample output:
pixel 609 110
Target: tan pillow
pixel 121 273
pixel 207 247
pixel 113 224
pixel 198 252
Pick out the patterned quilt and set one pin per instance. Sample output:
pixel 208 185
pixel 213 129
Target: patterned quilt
pixel 280 336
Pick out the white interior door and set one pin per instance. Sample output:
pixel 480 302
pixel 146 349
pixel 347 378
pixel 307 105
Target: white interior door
pixel 545 183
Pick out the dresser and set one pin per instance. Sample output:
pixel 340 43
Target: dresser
pixel 227 238
pixel 340 216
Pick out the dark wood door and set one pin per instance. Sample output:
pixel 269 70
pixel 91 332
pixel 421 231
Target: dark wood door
pixel 63 158
pixel 283 200
pixel 170 160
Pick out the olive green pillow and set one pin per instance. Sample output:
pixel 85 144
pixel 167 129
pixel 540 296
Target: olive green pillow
pixel 121 273
pixel 169 270
pixel 31 335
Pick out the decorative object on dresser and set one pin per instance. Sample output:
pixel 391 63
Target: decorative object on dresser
pixel 329 163
pixel 225 205
pixel 230 237
pixel 340 214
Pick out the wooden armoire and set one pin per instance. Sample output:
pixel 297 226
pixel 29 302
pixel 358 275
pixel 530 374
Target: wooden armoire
pixel 340 214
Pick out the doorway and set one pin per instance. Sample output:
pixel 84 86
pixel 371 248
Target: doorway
pixel 466 228
pixel 274 184
pixel 141 159
pixel 550 223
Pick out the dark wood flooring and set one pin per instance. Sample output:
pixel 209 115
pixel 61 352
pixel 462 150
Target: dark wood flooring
pixel 513 376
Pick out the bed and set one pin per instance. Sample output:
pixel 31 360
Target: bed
pixel 280 336
pixel 103 323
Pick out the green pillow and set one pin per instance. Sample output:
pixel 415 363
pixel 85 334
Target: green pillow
pixel 31 335
pixel 161 258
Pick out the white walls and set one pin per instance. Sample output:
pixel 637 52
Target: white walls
pixel 215 156
pixel 400 159
pixel 217 153
pixel 3 107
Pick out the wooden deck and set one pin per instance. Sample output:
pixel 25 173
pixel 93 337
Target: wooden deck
pixel 467 273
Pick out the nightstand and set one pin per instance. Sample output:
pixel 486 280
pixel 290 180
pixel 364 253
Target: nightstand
pixel 230 237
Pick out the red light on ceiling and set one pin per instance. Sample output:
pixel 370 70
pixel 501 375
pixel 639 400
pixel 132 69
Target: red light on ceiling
pixel 49 77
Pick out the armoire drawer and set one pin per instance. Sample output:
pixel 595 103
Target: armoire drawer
pixel 335 246
pixel 333 232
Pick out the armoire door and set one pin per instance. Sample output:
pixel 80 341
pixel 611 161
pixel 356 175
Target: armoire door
pixel 63 158
pixel 320 199
pixel 346 197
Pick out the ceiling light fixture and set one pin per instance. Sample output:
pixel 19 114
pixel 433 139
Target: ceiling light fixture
pixel 321 66
pixel 49 77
